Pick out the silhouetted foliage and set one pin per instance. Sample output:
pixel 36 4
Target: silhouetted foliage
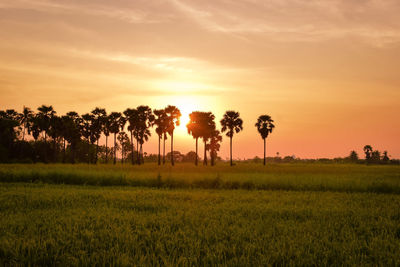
pixel 231 124
pixel 264 125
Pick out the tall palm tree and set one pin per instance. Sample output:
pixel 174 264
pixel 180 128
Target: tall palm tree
pixel 97 126
pixel 122 121
pixel 264 125
pixel 368 153
pixel 145 121
pixel 45 113
pixel 132 117
pixel 114 128
pixel 214 145
pixel 26 116
pixel 173 115
pixel 106 130
pixel 194 128
pixel 207 125
pixel 160 122
pixel 73 131
pixel 231 124
pixel 86 130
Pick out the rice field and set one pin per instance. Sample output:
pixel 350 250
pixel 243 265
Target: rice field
pixel 248 215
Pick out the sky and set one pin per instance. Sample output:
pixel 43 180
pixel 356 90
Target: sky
pixel 326 71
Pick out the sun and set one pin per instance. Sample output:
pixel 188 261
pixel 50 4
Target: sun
pixel 186 105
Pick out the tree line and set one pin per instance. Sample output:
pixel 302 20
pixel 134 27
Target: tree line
pixel 75 138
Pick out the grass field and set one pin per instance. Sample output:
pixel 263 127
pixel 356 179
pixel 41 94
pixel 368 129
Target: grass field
pixel 284 214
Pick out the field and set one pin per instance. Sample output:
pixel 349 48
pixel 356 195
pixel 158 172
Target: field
pixel 283 214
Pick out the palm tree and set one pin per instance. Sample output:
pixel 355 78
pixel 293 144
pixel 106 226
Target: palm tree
pixel 214 145
pixel 132 118
pixel 173 115
pixel 97 126
pixel 231 123
pixel 122 122
pixel 124 142
pixel 264 125
pixel 45 113
pixel 73 132
pixel 207 126
pixel 368 153
pixel 86 130
pixel 145 121
pixel 114 128
pixel 194 128
pixel 106 130
pixel 26 116
pixel 160 122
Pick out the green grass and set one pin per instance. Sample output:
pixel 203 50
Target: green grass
pixel 86 225
pixel 294 177
pixel 285 214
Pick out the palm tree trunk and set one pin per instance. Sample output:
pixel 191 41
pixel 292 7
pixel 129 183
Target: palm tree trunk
pixel 172 150
pixel 23 134
pixel 97 150
pixel 265 147
pixel 63 150
pixel 159 150
pixel 115 150
pixel 106 149
pixel 137 150
pixel 231 152
pixel 205 153
pixel 163 160
pixel 88 152
pixel 195 162
pixel 133 149
pixel 141 154
pixel 122 152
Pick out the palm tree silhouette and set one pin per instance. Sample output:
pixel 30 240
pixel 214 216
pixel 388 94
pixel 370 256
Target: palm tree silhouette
pixel 214 145
pixel 73 132
pixel 368 152
pixel 264 125
pixel 45 113
pixel 97 126
pixel 145 121
pixel 114 128
pixel 26 116
pixel 106 130
pixel 207 126
pixel 231 124
pixel 160 122
pixel 132 118
pixel 86 130
pixel 122 121
pixel 194 128
pixel 173 119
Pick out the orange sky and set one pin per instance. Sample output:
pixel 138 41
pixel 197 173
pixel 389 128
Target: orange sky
pixel 326 71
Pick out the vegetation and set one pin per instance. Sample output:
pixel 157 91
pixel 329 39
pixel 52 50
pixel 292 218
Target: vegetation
pixel 90 225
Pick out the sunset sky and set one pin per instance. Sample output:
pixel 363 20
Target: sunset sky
pixel 328 72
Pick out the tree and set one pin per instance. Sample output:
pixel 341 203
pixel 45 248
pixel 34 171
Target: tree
pixel 106 130
pixel 72 123
pixel 207 126
pixel 385 158
pixel 214 145
pixel 26 117
pixel 231 124
pixel 145 121
pixel 132 117
pixel 125 144
pixel 194 128
pixel 45 113
pixel 264 125
pixel 160 123
pixel 114 128
pixel 368 153
pixel 353 157
pixel 376 157
pixel 99 115
pixel 173 115
pixel 122 121
pixel 86 131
